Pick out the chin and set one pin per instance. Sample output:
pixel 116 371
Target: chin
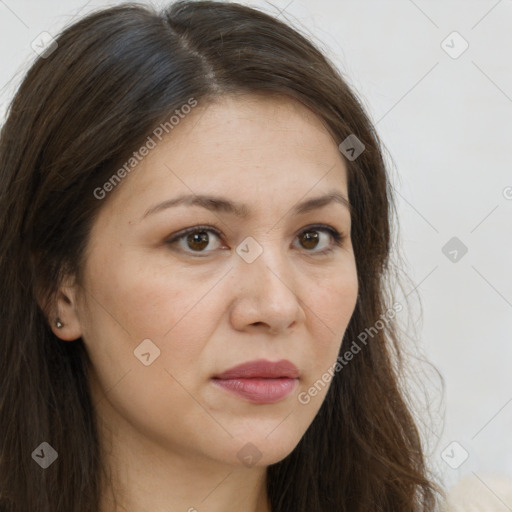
pixel 253 451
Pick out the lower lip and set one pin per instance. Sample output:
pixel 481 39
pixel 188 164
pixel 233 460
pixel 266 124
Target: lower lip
pixel 259 391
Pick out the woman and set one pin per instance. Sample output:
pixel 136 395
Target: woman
pixel 196 230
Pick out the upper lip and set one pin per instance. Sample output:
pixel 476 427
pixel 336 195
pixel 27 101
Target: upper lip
pixel 261 368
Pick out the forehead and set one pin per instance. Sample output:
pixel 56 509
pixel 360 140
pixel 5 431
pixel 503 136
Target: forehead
pixel 246 146
pixel 244 124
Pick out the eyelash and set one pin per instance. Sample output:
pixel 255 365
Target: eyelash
pixel 338 237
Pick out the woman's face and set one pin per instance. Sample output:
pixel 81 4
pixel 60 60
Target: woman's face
pixel 162 316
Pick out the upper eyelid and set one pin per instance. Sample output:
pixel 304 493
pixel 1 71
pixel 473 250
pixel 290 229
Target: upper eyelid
pixel 320 227
pixel 218 231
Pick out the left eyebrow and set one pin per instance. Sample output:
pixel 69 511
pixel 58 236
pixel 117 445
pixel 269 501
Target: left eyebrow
pixel 221 204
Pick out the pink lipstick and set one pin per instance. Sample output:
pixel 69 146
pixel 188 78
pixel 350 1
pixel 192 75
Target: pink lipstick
pixel 260 381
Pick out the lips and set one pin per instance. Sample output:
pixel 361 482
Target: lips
pixel 260 381
pixel 262 369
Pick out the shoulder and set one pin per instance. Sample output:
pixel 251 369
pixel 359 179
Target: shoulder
pixel 480 494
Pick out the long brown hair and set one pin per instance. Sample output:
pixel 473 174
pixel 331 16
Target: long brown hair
pixel 80 111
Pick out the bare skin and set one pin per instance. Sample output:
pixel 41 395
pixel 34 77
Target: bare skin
pixel 172 437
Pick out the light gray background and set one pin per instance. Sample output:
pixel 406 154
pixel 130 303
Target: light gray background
pixel 447 125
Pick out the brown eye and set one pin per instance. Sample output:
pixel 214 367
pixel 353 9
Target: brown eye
pixel 310 239
pixel 198 240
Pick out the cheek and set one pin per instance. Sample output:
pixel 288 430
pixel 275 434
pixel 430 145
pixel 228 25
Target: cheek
pixel 129 307
pixel 144 299
pixel 177 311
pixel 329 307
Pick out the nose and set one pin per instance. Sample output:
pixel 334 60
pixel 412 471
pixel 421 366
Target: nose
pixel 266 294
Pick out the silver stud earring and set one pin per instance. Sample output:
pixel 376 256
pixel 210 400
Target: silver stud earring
pixel 59 324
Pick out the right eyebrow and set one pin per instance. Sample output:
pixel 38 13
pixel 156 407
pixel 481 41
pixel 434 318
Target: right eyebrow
pixel 216 203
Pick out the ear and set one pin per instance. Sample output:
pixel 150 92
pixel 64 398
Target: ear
pixel 64 308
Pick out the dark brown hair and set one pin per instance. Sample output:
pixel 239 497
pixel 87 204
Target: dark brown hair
pixel 78 114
